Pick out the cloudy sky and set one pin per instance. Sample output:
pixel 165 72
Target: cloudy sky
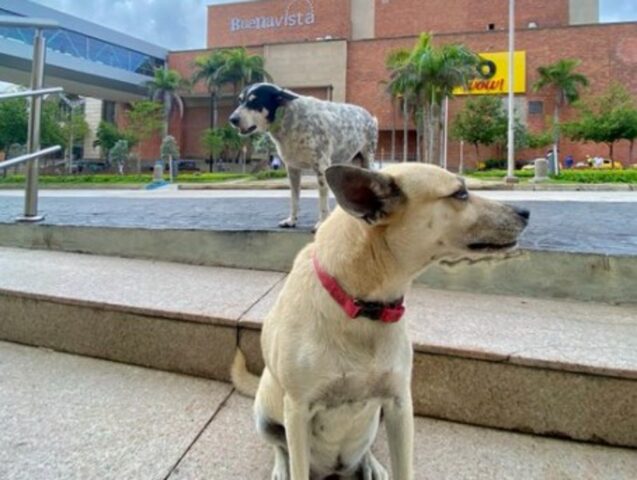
pixel 181 24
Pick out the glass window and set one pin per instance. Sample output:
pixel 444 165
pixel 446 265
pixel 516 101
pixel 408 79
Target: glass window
pixel 81 46
pixel 108 111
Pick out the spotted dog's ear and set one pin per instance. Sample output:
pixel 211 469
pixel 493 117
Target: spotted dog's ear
pixel 284 96
pixel 365 194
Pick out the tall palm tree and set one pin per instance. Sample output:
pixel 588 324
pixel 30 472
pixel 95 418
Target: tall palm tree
pixel 455 66
pixel 405 86
pixel 440 70
pixel 164 87
pixel 567 84
pixel 208 69
pixel 242 68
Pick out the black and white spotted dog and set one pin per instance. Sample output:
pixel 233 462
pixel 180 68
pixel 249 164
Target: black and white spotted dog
pixel 308 134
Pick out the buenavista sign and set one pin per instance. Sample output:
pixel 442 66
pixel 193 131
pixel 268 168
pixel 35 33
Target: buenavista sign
pixel 297 14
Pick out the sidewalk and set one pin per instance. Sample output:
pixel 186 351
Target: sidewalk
pixel 70 417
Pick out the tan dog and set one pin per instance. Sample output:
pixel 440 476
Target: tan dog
pixel 328 375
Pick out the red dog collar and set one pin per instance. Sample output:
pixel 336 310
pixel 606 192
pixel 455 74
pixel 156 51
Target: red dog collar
pixel 353 307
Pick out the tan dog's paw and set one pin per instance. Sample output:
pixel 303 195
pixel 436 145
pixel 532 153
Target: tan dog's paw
pixel 287 223
pixel 280 473
pixel 371 469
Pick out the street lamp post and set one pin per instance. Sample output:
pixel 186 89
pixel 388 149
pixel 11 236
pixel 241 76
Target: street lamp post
pixel 511 178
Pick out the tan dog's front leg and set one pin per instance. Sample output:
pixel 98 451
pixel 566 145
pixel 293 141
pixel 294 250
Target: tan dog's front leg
pixel 399 423
pixel 296 417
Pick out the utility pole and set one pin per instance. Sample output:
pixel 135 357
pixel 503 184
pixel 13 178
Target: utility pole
pixel 511 178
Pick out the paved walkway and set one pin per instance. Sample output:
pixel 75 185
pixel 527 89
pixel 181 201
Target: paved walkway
pixel 69 417
pixel 591 222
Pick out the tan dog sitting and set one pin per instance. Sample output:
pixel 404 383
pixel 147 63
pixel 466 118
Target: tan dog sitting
pixel 335 348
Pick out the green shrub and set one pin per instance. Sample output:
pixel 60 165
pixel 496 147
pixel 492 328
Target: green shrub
pixel 267 174
pixel 499 173
pixel 500 164
pixel 597 176
pixel 122 179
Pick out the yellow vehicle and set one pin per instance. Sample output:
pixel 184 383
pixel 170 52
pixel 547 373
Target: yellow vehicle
pixel 608 165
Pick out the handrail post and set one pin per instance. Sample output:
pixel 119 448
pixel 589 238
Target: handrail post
pixel 33 139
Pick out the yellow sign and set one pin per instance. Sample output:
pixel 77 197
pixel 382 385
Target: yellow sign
pixel 493 75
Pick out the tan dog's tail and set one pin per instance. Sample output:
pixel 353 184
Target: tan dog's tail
pixel 244 381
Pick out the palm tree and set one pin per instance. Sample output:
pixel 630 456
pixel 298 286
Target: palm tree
pixel 242 68
pixel 440 70
pixel 455 66
pixel 561 77
pixel 164 88
pixel 209 70
pixel 398 88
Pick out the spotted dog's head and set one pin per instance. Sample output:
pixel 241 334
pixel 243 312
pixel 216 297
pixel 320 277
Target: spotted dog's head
pixel 257 108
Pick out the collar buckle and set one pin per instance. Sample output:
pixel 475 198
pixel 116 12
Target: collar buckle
pixel 371 310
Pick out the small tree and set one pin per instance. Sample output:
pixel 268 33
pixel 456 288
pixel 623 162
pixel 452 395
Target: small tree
pixel 169 148
pixel 119 155
pixel 13 122
pixel 107 136
pixel 145 118
pixel 263 144
pixel 169 151
pixel 606 119
pixel 212 141
pixel 630 129
pixel 74 130
pixel 480 122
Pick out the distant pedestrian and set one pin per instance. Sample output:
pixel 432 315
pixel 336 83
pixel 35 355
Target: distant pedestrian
pixel 276 162
pixel 568 161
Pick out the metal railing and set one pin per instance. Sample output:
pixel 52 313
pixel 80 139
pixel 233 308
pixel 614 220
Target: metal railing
pixel 35 93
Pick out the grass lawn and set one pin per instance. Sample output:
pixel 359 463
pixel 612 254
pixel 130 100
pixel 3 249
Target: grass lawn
pixel 141 179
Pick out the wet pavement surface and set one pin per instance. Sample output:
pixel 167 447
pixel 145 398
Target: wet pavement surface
pixel 573 226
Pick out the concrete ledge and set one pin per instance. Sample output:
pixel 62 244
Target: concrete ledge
pixel 558 368
pixel 204 350
pixel 536 273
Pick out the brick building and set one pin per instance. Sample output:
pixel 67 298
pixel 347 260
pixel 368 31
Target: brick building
pixel 337 48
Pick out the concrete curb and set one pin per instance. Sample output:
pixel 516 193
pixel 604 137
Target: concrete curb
pixel 535 273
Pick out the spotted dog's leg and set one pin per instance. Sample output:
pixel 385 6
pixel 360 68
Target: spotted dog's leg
pixel 294 175
pixel 324 207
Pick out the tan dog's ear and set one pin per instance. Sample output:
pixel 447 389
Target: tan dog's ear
pixel 365 194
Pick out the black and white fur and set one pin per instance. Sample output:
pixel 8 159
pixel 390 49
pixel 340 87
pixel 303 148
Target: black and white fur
pixel 308 134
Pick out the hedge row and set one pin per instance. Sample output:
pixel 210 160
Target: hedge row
pixel 597 176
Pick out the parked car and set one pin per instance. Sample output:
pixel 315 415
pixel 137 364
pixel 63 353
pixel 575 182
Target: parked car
pixel 88 166
pixel 180 166
pixel 187 166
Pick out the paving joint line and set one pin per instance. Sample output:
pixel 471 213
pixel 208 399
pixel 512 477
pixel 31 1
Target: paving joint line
pixel 198 436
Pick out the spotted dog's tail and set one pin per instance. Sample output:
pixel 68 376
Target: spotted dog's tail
pixel 244 381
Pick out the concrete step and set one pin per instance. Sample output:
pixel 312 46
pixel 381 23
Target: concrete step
pixel 537 270
pixel 557 368
pixel 70 417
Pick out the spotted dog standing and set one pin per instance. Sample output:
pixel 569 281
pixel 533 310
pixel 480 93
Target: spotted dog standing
pixel 308 134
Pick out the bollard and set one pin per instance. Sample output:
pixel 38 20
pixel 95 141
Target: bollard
pixel 158 172
pixel 541 170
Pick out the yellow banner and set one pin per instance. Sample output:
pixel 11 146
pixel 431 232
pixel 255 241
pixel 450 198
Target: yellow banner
pixel 493 75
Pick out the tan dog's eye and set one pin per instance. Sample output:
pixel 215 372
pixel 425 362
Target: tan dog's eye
pixel 461 194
